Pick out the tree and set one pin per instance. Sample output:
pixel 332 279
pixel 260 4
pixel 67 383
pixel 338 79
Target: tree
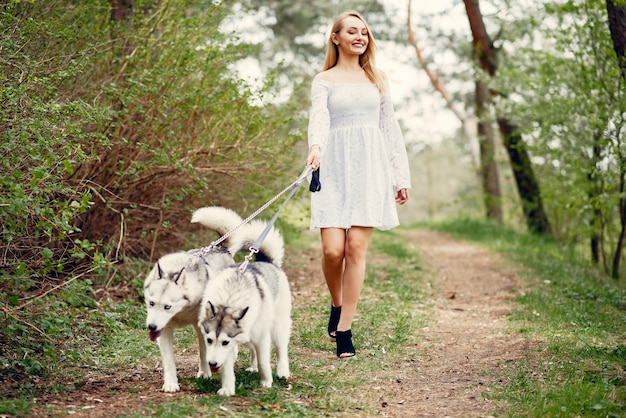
pixel 439 86
pixel 485 160
pixel 527 184
pixel 562 86
pixel 617 27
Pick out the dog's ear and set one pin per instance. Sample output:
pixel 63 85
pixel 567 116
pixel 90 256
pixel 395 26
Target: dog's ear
pixel 239 314
pixel 160 271
pixel 211 311
pixel 178 276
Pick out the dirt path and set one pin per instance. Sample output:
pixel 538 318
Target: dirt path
pixel 461 351
pixel 468 342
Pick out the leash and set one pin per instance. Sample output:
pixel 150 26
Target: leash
pixel 293 186
pixel 255 247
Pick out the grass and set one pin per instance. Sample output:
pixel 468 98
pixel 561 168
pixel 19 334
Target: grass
pixel 320 384
pixel 577 315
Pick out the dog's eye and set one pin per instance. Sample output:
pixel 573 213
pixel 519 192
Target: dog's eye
pixel 209 341
pixel 225 343
pixel 151 303
pixel 167 307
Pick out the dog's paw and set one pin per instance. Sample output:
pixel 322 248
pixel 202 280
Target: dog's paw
pixel 225 392
pixel 206 374
pixel 266 383
pixel 171 387
pixel 252 368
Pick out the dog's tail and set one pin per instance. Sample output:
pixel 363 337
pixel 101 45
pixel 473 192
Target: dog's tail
pixel 272 249
pixel 221 220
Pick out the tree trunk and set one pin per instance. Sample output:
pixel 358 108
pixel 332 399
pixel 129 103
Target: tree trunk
pixel 594 193
pixel 617 26
pixel 527 185
pixel 488 165
pixel 121 13
pixel 622 236
pixel 485 55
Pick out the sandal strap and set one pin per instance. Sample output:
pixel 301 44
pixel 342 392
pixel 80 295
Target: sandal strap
pixel 344 344
pixel 333 321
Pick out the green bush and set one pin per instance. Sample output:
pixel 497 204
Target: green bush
pixel 112 131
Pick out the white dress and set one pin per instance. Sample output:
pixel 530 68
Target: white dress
pixel 363 159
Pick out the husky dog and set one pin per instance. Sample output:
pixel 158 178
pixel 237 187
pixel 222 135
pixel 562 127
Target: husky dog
pixel 174 287
pixel 250 307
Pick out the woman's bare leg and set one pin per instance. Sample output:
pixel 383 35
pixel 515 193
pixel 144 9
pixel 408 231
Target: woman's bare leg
pixel 343 264
pixel 333 254
pixel 356 243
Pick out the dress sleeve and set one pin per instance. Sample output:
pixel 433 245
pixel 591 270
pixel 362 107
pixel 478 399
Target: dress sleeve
pixel 319 116
pixel 394 140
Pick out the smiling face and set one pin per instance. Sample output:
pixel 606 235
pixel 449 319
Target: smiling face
pixel 352 37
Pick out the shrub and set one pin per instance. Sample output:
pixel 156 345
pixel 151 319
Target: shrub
pixel 112 131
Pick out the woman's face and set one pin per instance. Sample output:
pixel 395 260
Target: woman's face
pixel 353 37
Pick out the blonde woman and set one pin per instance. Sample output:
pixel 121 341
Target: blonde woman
pixel 356 144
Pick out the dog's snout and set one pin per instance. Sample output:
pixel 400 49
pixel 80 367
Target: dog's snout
pixel 214 367
pixel 152 327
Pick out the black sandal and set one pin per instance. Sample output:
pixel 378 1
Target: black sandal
pixel 345 349
pixel 333 321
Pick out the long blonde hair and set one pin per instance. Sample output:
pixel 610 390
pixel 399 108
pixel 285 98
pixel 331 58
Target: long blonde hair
pixel 366 60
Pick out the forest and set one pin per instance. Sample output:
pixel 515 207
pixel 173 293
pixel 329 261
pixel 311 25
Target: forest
pixel 121 117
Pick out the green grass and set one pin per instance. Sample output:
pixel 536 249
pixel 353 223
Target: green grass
pixel 320 385
pixel 574 318
pixel 578 317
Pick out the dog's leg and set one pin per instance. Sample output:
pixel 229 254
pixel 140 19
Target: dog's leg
pixel 263 350
pixel 227 373
pixel 254 364
pixel 280 339
pixel 166 346
pixel 203 370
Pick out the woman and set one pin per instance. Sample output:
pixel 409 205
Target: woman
pixel 355 139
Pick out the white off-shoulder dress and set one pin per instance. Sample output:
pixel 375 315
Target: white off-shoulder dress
pixel 363 159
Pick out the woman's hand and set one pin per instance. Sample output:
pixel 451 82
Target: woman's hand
pixel 402 196
pixel 314 157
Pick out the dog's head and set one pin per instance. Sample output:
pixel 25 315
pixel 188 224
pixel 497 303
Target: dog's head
pixel 222 332
pixel 167 292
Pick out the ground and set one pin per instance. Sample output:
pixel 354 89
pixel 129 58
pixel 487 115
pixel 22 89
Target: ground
pixel 468 341
pixel 464 347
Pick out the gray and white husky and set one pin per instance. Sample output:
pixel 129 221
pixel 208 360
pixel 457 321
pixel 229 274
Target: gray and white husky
pixel 174 287
pixel 251 308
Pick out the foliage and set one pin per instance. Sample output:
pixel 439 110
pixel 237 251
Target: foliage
pixel 111 132
pixel 562 83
